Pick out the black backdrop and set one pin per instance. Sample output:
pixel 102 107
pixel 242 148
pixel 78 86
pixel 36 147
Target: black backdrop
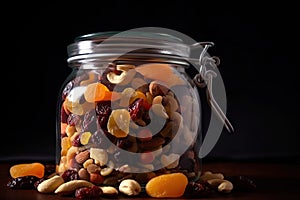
pixel 256 45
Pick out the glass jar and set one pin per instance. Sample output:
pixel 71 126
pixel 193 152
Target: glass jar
pixel 128 109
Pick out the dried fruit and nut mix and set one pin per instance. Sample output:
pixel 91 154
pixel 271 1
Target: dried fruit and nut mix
pixel 168 185
pixel 126 120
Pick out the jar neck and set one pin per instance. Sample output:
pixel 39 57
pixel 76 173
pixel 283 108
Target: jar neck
pixel 102 61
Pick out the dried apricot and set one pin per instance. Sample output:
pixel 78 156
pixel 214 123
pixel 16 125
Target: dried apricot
pixel 98 92
pixel 27 169
pixel 167 185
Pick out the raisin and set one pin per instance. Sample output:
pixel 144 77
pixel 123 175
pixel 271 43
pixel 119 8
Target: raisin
pixel 242 183
pixel 36 183
pixel 100 140
pixel 186 163
pixel 76 141
pixel 124 143
pixel 73 119
pixel 103 110
pixel 23 182
pixel 88 192
pixel 195 189
pixel 89 121
pixel 70 175
pixel 63 115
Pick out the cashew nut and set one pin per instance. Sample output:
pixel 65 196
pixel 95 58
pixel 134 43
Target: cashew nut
pixel 50 185
pixel 130 187
pixel 128 72
pixel 207 176
pixel 107 170
pixel 172 104
pixel 223 185
pixel 170 161
pixel 109 191
pixel 157 100
pixel 159 110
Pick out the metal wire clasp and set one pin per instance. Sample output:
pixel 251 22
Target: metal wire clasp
pixel 205 78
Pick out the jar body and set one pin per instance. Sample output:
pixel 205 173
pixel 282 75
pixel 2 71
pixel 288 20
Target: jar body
pixel 136 119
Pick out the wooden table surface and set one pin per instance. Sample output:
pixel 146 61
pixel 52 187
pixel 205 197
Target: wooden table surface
pixel 273 181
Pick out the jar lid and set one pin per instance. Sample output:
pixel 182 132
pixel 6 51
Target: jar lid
pixel 117 44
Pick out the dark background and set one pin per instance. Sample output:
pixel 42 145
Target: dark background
pixel 257 46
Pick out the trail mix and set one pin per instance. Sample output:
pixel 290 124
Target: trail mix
pixel 126 129
pixel 126 120
pixel 169 185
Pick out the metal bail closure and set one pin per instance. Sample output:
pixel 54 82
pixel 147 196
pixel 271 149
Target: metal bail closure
pixel 205 78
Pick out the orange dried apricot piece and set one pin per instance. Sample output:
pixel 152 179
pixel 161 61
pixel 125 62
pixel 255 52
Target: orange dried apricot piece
pixel 27 169
pixel 167 185
pixel 99 92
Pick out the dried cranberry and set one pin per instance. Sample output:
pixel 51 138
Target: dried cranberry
pixel 88 192
pixel 139 110
pixel 24 182
pixel 70 175
pixel 63 115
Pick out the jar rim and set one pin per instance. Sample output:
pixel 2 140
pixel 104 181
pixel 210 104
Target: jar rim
pixel 116 44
